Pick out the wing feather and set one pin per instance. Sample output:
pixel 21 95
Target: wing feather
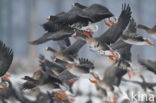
pixel 6 58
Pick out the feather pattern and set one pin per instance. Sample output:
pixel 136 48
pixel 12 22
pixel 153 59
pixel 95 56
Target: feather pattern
pixel 6 58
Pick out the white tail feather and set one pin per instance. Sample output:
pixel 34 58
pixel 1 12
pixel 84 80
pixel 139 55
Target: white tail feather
pixel 93 27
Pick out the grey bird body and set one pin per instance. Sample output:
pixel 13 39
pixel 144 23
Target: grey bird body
pixel 6 57
pixel 102 43
pixel 150 31
pixel 70 53
pixel 148 64
pixel 131 37
pixel 80 16
pixel 82 67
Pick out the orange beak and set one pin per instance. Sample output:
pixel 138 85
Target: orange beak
pixel 23 78
pixel 6 79
pixel 72 5
pixel 74 36
pixel 47 18
pixel 6 75
pixel 46 48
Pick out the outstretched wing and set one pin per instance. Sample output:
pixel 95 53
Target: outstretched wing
pixel 132 26
pixel 65 76
pixel 72 16
pixel 124 49
pixel 136 82
pixel 63 44
pixel 113 33
pixel 96 12
pixel 150 65
pixel 58 35
pixel 51 26
pixel 42 39
pixel 6 57
pixel 154 28
pixel 113 75
pixel 86 62
pixel 28 85
pixel 75 47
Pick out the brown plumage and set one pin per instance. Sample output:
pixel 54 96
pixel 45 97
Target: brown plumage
pixel 70 53
pixel 150 31
pixel 112 78
pixel 83 66
pixel 40 78
pixel 131 37
pixel 102 43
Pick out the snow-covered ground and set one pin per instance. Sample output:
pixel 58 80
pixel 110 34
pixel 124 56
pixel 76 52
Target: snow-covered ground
pixel 87 88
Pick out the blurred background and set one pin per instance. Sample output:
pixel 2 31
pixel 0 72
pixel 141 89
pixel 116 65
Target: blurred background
pixel 21 20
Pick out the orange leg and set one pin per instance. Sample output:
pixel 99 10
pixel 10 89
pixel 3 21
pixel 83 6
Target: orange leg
pixel 92 81
pixel 129 75
pixel 109 101
pixel 107 24
pixel 71 81
pixel 111 21
pixel 132 71
pixel 91 31
pixel 55 95
pixel 86 34
pixel 106 100
pixel 114 55
pixel 69 100
pixel 97 78
pixel 110 58
pixel 59 96
pixel 114 98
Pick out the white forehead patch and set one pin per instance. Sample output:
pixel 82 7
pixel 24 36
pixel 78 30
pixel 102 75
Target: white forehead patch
pixel 48 17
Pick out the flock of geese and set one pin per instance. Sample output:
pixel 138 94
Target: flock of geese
pixel 65 67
